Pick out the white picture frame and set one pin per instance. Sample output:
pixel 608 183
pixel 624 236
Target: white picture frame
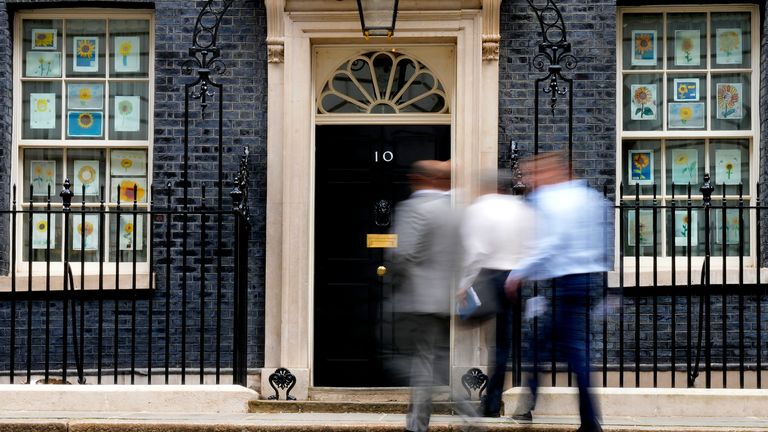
pixel 81 62
pixel 727 166
pixel 88 224
pixel 127 114
pixel 42 110
pixel 40 230
pixel 683 227
pixel 127 54
pixel 43 64
pixel 728 46
pixel 87 173
pixel 687 48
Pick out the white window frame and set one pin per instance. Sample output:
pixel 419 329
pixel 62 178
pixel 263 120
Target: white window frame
pixel 662 260
pixel 91 269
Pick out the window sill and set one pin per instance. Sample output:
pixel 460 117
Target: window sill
pixel 664 277
pixel 88 283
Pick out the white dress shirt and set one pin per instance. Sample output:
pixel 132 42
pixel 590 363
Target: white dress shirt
pixel 570 219
pixel 497 233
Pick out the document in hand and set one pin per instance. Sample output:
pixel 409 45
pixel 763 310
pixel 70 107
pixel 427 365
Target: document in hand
pixel 470 305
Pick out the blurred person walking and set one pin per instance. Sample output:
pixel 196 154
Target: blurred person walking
pixel 497 231
pixel 424 264
pixel 568 250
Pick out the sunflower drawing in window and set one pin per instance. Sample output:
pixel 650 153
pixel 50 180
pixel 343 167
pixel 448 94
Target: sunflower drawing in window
pixel 128 190
pixel 86 233
pixel 729 101
pixel 86 54
pixel 643 102
pixel 641 167
pixel 131 228
pixel 85 124
pixel 42 226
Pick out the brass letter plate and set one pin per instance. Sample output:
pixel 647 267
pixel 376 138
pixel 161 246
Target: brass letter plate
pixel 382 240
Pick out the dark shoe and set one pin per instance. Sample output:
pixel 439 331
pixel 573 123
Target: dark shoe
pixel 590 428
pixel 491 414
pixel 526 416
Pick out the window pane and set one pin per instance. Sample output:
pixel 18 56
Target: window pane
pixel 129 105
pixel 43 172
pixel 686 41
pixel 642 46
pixel 731 102
pixel 41 235
pixel 729 165
pixel 736 230
pixel 683 226
pixel 128 176
pixel 686 101
pixel 685 165
pixel 87 170
pixel 41 48
pixel 641 167
pixel 86 48
pixel 642 102
pixel 41 110
pixel 731 40
pixel 85 235
pixel 129 48
pixel 639 229
pixel 131 232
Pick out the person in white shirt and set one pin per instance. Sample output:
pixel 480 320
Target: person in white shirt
pixel 570 247
pixel 496 232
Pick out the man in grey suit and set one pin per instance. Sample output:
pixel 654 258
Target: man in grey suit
pixel 424 263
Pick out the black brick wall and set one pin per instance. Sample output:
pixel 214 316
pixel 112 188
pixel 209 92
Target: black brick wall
pixel 242 41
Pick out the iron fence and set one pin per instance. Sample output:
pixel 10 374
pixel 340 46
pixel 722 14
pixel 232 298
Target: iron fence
pixel 680 303
pixel 126 292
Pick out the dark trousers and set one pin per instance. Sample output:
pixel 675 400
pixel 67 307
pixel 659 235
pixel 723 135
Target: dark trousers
pixel 428 338
pixel 571 303
pixel 494 283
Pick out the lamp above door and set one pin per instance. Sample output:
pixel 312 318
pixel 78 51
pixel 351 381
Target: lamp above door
pixel 377 17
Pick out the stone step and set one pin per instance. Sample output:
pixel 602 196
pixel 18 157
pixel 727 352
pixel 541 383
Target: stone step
pixel 380 407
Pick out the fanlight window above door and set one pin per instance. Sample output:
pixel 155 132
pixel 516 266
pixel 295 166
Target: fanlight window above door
pixel 383 83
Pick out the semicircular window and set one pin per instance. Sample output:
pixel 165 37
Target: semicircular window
pixel 383 83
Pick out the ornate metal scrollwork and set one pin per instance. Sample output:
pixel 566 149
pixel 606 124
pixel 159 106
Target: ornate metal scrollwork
pixel 554 51
pixel 474 379
pixel 239 192
pixel 283 379
pixel 205 55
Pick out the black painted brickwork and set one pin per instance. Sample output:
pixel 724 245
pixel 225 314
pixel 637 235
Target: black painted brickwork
pixel 242 41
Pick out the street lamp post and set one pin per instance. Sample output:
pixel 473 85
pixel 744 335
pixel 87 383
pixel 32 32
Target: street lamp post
pixel 377 17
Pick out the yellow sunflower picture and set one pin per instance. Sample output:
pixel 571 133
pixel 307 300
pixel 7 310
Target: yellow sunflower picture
pixel 729 101
pixel 130 228
pixel 644 48
pixel 44 39
pixel 43 227
pixel 86 232
pixel 643 102
pixel 729 47
pixel 86 54
pixel 86 177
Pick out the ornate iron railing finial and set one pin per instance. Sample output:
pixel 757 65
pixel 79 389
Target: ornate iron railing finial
pixel 205 54
pixel 554 51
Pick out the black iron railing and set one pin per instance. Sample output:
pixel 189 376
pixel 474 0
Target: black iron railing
pixel 667 315
pixel 126 291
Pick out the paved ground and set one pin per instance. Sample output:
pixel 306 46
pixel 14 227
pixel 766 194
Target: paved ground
pixel 148 422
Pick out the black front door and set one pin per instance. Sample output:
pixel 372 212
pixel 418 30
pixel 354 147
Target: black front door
pixel 361 174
